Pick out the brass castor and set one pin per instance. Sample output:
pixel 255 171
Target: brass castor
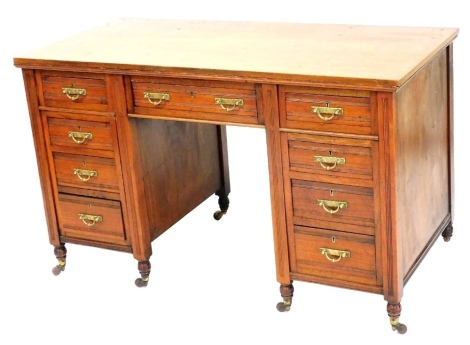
pixel 141 282
pixel 60 253
pixel 144 270
pixel 447 233
pixel 394 311
pixel 400 328
pixel 287 292
pixel 219 214
pixel 282 307
pixel 58 269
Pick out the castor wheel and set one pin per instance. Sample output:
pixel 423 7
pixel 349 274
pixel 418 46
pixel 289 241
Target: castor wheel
pixel 219 214
pixel 139 282
pixel 57 270
pixel 447 233
pixel 282 307
pixel 400 328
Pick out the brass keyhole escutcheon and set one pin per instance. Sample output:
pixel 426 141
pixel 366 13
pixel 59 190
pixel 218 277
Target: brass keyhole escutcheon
pixel 89 205
pixel 79 128
pixel 332 192
pixel 84 163
pixel 191 93
pixel 330 152
pixel 333 239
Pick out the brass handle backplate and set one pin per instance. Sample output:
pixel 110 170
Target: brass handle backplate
pixel 80 137
pixel 328 111
pixel 156 98
pixel 90 219
pixel 335 255
pixel 328 162
pixel 73 93
pixel 85 175
pixel 229 103
pixel 331 206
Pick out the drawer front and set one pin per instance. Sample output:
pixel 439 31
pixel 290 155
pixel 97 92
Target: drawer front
pixel 338 157
pixel 74 91
pixel 80 134
pixel 93 219
pixel 335 254
pixel 193 99
pixel 333 206
pixel 86 172
pixel 327 110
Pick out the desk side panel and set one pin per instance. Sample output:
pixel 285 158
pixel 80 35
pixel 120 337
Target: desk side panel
pixel 422 146
pixel 42 156
pixel 181 168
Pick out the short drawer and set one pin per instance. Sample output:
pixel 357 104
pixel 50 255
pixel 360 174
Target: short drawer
pixel 335 254
pixel 322 155
pixel 333 206
pixel 79 133
pixel 195 99
pixel 326 110
pixel 93 219
pixel 86 172
pixel 74 91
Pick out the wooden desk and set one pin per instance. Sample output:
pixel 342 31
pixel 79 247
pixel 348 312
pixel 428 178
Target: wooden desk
pixel 129 127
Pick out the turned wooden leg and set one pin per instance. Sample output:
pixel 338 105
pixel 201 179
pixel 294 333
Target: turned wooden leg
pixel 394 311
pixel 144 270
pixel 287 292
pixel 60 253
pixel 223 205
pixel 447 233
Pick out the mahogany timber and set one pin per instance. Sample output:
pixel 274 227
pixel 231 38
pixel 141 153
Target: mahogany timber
pixel 181 168
pixel 61 123
pixel 422 157
pixel 357 217
pixel 357 154
pixel 371 57
pixel 41 152
pixel 360 267
pixel 268 106
pixel 195 99
pixel 52 83
pixel 394 84
pixel 110 229
pixel 356 107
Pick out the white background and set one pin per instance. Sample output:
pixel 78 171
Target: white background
pixel 211 282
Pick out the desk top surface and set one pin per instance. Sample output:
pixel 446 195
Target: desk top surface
pixel 373 57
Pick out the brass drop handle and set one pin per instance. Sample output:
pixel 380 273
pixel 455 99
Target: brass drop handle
pixel 332 206
pixel 229 103
pixel 156 98
pixel 328 162
pixel 90 219
pixel 85 175
pixel 80 137
pixel 327 110
pixel 335 255
pixel 73 93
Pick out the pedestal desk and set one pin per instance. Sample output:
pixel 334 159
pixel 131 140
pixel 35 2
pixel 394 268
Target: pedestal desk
pixel 129 124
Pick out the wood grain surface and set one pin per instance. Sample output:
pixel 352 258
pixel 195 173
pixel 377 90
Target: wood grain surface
pixel 377 58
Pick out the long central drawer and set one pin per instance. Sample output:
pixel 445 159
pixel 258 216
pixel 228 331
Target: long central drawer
pixel 195 99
